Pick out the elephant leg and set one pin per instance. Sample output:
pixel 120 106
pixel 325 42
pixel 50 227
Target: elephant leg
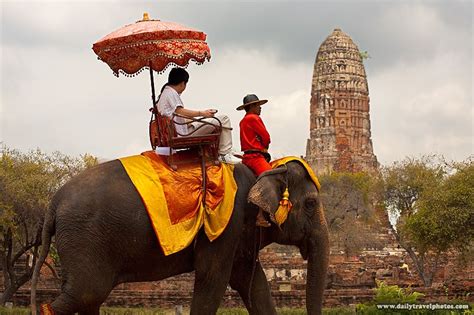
pixel 213 265
pixel 83 292
pixel 64 304
pixel 93 310
pixel 253 289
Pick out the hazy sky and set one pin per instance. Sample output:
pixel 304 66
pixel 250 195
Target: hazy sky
pixel 56 95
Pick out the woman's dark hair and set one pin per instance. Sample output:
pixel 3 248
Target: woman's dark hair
pixel 176 76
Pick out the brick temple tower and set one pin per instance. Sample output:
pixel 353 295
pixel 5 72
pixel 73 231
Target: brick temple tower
pixel 339 121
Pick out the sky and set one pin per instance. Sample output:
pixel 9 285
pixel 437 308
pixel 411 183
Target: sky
pixel 57 96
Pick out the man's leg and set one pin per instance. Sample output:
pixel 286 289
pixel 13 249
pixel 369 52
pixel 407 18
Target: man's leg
pixel 225 140
pixel 257 163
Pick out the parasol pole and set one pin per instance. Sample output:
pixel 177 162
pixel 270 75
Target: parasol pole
pixel 153 96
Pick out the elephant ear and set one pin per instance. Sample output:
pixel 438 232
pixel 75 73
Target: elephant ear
pixel 266 192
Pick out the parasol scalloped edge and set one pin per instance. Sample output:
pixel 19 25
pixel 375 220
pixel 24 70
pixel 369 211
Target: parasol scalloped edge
pixel 134 74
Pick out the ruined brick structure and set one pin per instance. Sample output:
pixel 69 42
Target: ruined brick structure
pixel 339 121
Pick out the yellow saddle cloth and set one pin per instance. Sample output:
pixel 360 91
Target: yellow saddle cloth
pixel 173 199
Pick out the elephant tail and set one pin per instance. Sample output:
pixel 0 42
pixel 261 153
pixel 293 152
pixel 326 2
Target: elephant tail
pixel 46 236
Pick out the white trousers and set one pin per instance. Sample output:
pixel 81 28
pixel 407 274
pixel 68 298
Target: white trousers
pixel 225 141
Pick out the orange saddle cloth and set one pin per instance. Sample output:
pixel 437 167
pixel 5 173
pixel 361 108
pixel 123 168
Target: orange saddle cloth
pixel 173 199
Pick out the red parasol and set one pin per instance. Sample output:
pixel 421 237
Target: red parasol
pixel 151 44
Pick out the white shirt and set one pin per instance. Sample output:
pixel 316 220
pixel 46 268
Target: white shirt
pixel 168 103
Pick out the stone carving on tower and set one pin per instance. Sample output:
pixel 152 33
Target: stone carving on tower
pixel 340 138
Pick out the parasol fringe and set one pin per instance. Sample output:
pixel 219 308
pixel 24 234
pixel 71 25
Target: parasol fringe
pixel 131 75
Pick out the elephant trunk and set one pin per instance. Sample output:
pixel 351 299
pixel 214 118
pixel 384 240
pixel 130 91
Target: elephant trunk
pixel 318 260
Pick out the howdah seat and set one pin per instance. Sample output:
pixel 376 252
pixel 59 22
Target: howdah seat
pixel 163 133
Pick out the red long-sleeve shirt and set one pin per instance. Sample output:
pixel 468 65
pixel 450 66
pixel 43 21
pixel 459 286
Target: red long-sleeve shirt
pixel 253 134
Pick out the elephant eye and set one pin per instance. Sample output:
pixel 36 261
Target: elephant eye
pixel 310 203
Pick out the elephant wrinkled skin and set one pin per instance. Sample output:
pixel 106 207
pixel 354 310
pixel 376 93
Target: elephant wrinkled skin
pixel 104 237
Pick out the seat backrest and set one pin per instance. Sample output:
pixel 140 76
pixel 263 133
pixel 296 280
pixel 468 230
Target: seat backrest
pixel 161 130
pixel 163 133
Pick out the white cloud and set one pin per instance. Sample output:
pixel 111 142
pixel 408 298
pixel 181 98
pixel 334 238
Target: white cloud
pixel 421 108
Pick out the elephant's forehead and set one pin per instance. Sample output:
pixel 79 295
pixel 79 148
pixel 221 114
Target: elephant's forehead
pixel 298 176
pixel 293 159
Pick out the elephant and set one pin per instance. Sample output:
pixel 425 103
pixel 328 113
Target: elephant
pixel 104 237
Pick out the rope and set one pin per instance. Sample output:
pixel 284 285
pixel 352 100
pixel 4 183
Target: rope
pixel 255 259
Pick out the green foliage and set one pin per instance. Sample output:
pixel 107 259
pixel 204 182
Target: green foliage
pixel 338 311
pixel 291 311
pixel 364 54
pixel 404 183
pixel 132 311
pixel 53 253
pixel 347 200
pixel 28 181
pixel 445 215
pixel 389 294
pixel 14 311
pixel 363 183
pixel 432 204
pixel 231 311
pixel 394 294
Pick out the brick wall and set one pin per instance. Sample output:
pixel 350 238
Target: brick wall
pixel 350 280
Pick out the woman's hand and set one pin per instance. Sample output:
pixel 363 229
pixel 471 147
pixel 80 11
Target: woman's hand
pixel 207 113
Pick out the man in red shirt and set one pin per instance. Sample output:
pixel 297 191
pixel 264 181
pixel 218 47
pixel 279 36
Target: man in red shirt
pixel 254 142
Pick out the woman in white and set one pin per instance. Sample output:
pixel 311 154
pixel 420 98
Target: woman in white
pixel 169 102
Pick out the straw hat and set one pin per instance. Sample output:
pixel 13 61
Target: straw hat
pixel 251 99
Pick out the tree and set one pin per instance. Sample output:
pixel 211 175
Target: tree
pixel 27 183
pixel 364 54
pixel 431 203
pixel 347 200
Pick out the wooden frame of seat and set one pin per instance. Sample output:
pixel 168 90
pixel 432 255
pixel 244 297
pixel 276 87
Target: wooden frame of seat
pixel 163 133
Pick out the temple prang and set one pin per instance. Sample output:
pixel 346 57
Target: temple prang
pixel 340 137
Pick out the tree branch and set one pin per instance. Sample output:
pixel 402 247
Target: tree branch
pixel 50 267
pixel 53 270
pixel 418 265
pixel 9 275
pixel 22 252
pixel 26 233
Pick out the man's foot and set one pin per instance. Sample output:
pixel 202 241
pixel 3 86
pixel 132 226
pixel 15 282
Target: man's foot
pixel 262 222
pixel 229 159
